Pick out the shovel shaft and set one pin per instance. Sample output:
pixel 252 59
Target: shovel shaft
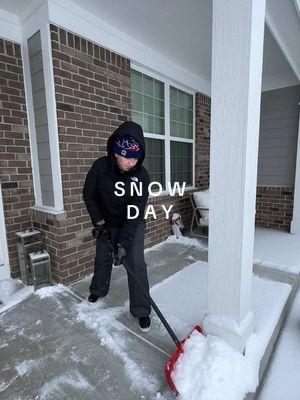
pixel 156 309
pixel 153 304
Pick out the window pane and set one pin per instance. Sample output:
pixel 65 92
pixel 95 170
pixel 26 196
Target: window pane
pixel 189 101
pixel 158 89
pixel 148 105
pixel 149 125
pixel 136 81
pixel 137 101
pixel 137 117
pixel 154 160
pixel 173 111
pixel 159 125
pixel 147 97
pixel 181 113
pixel 189 131
pixel 173 128
pixel 159 108
pixel 181 98
pixel 181 162
pixel 148 85
pixel 173 95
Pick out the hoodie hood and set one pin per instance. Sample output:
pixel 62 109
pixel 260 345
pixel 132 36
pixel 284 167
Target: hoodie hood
pixel 132 129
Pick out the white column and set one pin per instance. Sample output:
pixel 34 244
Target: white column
pixel 237 52
pixel 295 225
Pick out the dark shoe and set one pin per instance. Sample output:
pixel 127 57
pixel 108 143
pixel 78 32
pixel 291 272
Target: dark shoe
pixel 93 298
pixel 144 324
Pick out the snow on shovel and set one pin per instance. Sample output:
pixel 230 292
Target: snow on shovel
pixel 171 364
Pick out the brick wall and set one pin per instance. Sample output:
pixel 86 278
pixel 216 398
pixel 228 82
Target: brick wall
pixel 92 89
pixel 274 207
pixel 202 144
pixel 15 162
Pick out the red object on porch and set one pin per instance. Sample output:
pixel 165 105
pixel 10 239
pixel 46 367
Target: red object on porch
pixel 171 364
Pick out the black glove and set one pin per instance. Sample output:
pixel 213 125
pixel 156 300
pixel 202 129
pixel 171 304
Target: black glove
pixel 124 239
pixel 101 231
pixel 121 252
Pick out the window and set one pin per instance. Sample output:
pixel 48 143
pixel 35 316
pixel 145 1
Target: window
pixel 166 114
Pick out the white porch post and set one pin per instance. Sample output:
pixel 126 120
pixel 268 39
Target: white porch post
pixel 237 51
pixel 295 225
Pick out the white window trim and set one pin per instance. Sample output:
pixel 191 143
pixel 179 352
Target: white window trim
pixel 52 122
pixel 167 137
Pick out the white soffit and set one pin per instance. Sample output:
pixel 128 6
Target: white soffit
pixel 282 18
pixel 170 37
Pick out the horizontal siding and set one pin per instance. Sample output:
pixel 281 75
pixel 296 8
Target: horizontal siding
pixel 278 137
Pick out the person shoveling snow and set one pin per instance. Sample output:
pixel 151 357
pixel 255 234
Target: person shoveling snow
pixel 125 155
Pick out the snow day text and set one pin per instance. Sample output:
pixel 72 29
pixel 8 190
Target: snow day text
pixel 133 210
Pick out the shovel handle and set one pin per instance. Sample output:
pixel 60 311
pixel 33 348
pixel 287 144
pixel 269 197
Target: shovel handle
pixel 153 304
pixel 157 310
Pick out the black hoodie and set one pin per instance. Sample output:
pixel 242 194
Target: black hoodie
pixel 99 187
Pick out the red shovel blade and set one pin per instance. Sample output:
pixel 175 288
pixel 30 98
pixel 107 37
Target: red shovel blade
pixel 171 364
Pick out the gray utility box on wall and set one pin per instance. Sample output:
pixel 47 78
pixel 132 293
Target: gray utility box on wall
pixel 27 242
pixel 40 267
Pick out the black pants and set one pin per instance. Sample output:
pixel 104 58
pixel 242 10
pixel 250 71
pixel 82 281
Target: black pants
pixel 139 304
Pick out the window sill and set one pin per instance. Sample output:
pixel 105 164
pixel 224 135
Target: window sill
pixel 167 193
pixel 48 210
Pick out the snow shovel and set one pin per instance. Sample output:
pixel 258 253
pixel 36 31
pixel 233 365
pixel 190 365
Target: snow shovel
pixel 171 364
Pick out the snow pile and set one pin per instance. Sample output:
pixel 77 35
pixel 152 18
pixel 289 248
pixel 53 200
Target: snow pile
pixel 109 330
pixel 210 369
pixel 186 241
pixel 49 291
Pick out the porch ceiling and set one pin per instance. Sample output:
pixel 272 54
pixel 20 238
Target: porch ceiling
pixel 186 32
pixel 180 31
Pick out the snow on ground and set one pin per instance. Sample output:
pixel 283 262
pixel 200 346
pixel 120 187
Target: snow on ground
pixel 277 249
pixel 187 241
pixel 188 308
pixel 48 291
pixel 182 297
pixel 102 319
pixel 282 380
pixel 76 381
pixel 12 291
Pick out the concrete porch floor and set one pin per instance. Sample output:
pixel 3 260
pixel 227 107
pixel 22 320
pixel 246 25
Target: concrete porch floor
pixel 53 347
pixel 47 353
